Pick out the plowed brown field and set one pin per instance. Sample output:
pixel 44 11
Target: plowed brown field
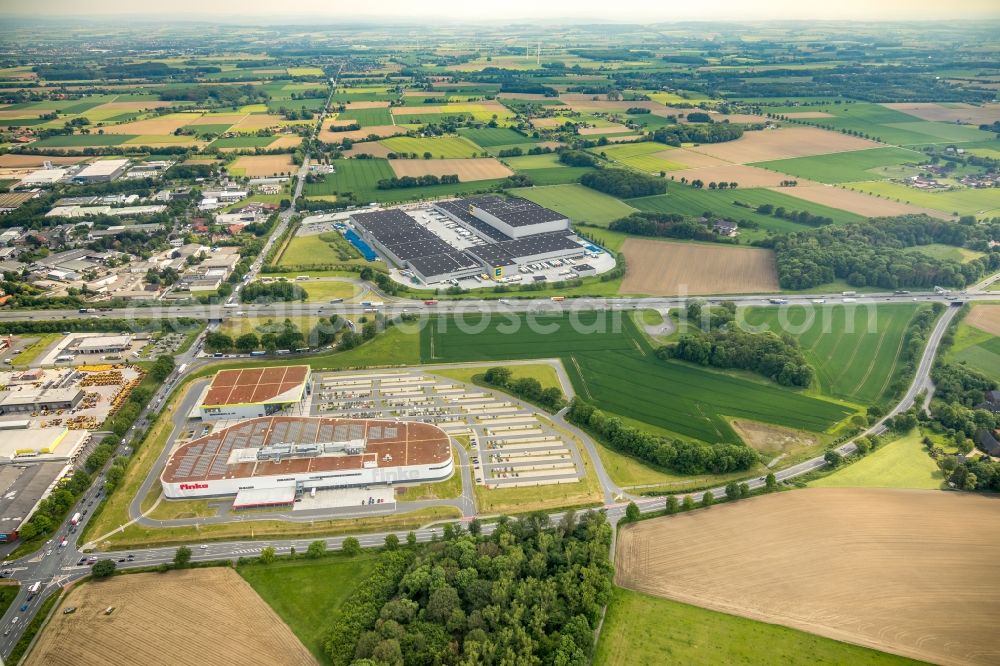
pixel 915 572
pixel 201 617
pixel 661 268
pixel 466 170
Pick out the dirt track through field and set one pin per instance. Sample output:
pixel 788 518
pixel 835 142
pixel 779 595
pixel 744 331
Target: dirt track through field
pixel 915 572
pixel 662 268
pixel 200 617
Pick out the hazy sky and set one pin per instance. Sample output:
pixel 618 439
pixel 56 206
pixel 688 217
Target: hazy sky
pixel 645 10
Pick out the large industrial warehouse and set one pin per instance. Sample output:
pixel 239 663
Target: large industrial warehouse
pixel 500 235
pixel 254 392
pixel 269 461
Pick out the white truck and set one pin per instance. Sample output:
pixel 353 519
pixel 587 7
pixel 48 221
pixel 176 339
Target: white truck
pixel 75 520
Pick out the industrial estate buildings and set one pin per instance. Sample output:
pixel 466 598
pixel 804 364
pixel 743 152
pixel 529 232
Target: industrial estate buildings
pixel 497 236
pixel 253 392
pixel 269 461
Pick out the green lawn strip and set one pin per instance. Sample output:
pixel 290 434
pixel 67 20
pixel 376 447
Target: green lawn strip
pixel 902 463
pixel 642 630
pixel 32 352
pixel 304 593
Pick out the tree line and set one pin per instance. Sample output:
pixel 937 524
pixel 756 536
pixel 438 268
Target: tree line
pixel 526 388
pixel 683 457
pixel 406 182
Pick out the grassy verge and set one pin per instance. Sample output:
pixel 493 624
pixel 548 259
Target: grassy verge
pixel 139 536
pixel 642 630
pixel 176 509
pixel 448 489
pixel 8 593
pixel 902 463
pixel 32 351
pixel 302 592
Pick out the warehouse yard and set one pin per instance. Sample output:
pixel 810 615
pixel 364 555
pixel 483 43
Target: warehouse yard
pixel 907 571
pixel 198 617
pixel 661 268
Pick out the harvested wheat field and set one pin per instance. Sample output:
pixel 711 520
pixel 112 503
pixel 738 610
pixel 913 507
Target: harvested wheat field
pixel 197 617
pixel 380 131
pixel 14 161
pixel 966 113
pixel 371 148
pixel 662 268
pixel 159 126
pixel 695 160
pixel 219 119
pixel 254 166
pixel 914 572
pixel 855 202
pixel 285 141
pixel 465 169
pixel 614 128
pixel 746 176
pixel 546 123
pixel 985 318
pixel 777 144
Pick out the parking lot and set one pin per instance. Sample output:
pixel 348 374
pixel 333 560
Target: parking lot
pixel 511 446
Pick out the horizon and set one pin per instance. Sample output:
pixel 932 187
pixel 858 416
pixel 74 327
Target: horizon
pixel 559 11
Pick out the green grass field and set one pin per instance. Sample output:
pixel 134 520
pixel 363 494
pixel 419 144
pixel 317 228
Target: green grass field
pixel 367 117
pixel 578 203
pixel 533 162
pixel 359 177
pixel 640 156
pixel 946 252
pixel 977 348
pixel 903 463
pixel 642 630
pixel 83 140
pixel 490 137
pixel 854 349
pixel 844 167
pixel 556 175
pixel 322 291
pixel 687 200
pixel 888 125
pixel 964 201
pixel 612 365
pixel 318 250
pixel 439 146
pixel 305 592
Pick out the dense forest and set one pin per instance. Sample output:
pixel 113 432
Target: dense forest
pixel 871 253
pixel 529 593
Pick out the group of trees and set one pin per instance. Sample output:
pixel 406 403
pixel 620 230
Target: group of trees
pixel 529 593
pixel 680 456
pixel 527 388
pixel 53 509
pixel 774 357
pixel 577 158
pixel 406 182
pixel 623 184
pixel 666 225
pixel 872 253
pixel 675 135
pixel 272 292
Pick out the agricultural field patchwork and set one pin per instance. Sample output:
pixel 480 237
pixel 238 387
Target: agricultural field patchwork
pixel 854 349
pixel 612 366
pixel 846 167
pixel 845 563
pixel 438 147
